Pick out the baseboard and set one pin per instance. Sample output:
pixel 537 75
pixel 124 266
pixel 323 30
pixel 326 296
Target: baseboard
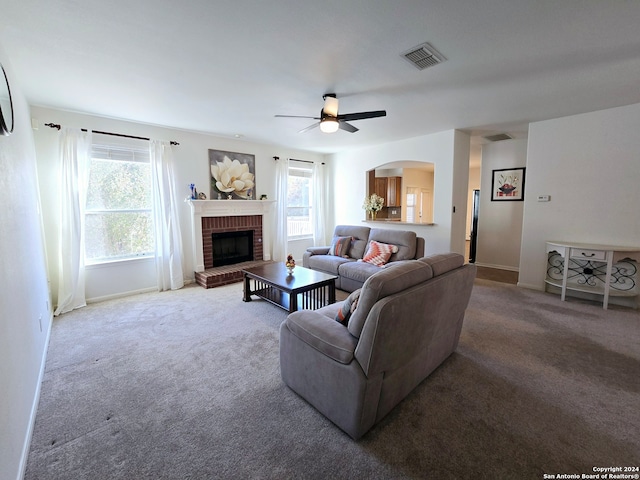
pixel 187 281
pixel 531 286
pixel 34 407
pixel 121 295
pixel 499 267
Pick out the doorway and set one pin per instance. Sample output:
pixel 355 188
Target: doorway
pixel 475 209
pixel 426 206
pixel 419 205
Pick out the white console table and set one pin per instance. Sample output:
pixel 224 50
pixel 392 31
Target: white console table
pixel 597 269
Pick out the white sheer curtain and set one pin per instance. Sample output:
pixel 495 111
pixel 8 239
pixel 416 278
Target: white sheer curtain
pixel 75 154
pixel 166 221
pixel 280 246
pixel 318 203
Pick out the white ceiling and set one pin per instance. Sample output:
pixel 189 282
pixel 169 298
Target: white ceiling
pixel 227 67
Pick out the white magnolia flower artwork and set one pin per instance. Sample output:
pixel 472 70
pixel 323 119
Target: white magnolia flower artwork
pixel 229 177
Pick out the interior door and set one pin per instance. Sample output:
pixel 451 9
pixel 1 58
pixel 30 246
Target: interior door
pixel 426 206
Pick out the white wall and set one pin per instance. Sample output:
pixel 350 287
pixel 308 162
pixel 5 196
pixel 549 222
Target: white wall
pixel 500 223
pixel 460 194
pixel 192 166
pixel 25 308
pixel 590 166
pixel 449 151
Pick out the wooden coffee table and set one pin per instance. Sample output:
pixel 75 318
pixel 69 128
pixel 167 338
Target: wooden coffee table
pixel 304 289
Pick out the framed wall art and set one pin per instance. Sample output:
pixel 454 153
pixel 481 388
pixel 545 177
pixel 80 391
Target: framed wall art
pixel 507 184
pixel 232 175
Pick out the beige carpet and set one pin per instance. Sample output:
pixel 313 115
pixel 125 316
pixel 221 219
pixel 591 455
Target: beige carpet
pixel 186 384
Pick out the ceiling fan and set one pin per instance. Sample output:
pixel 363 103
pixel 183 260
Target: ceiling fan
pixel 331 121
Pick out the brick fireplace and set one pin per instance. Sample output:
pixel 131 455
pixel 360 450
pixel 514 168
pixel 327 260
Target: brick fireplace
pixel 243 223
pixel 218 216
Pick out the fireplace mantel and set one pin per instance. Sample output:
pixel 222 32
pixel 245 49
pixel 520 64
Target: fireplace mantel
pixel 229 208
pixel 226 208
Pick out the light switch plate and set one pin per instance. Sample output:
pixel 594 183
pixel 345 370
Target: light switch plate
pixel 544 198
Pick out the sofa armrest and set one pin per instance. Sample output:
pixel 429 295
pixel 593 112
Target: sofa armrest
pixel 419 247
pixel 323 334
pixel 318 250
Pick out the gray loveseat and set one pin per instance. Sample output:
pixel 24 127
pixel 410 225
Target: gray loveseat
pixel 351 272
pixel 407 322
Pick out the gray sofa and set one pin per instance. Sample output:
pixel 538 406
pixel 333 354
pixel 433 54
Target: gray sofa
pixel 407 322
pixel 352 273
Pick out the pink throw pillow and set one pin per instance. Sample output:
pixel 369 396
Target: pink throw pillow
pixel 379 253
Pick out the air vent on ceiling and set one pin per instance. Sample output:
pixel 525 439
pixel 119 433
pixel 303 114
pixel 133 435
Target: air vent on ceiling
pixel 498 137
pixel 423 56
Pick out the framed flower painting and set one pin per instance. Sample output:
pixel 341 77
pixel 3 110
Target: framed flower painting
pixel 508 184
pixel 232 175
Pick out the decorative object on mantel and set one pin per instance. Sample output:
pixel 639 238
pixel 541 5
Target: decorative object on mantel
pixel 232 174
pixel 507 184
pixel 373 205
pixel 263 197
pixel 202 196
pixel 290 264
pixel 194 193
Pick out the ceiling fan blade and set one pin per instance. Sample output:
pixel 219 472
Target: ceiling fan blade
pixel 296 116
pixel 346 126
pixel 362 115
pixel 310 127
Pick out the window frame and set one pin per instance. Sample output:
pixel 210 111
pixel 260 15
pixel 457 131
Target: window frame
pixel 307 172
pixel 119 150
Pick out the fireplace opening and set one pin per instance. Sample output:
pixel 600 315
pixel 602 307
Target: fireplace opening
pixel 232 247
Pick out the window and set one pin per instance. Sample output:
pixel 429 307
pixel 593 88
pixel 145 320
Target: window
pixel 411 205
pixel 299 201
pixel 118 216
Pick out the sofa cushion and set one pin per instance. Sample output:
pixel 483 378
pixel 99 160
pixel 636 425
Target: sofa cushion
pixel 379 253
pixel 358 271
pixel 323 334
pixel 384 283
pixel 340 246
pixel 443 262
pixel 405 240
pixel 327 263
pixel 348 307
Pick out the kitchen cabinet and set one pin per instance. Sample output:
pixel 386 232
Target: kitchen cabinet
pixel 389 188
pixel 380 188
pixel 394 191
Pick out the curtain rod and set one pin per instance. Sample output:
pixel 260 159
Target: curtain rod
pixel 57 126
pixel 295 160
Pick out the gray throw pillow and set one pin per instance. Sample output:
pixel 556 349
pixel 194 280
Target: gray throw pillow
pixel 340 246
pixel 348 307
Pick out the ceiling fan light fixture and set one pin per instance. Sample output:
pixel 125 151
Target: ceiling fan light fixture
pixel 330 104
pixel 329 119
pixel 329 125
